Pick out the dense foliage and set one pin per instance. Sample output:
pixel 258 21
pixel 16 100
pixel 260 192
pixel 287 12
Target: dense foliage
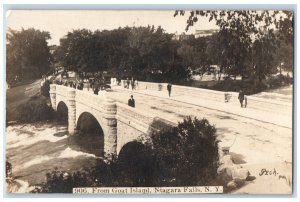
pixel 146 53
pixel 249 42
pixel 36 109
pixel 28 55
pixel 186 155
pixel 45 88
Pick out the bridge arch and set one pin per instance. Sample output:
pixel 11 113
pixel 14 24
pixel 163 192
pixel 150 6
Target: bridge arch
pixel 137 159
pixel 87 122
pixel 62 112
pixel 91 133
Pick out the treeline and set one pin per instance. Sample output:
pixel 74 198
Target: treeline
pixel 146 53
pixel 150 54
pixel 242 47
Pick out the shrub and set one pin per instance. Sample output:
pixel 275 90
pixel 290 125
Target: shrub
pixel 34 110
pixel 46 88
pixel 235 85
pixel 187 155
pixel 63 182
pixel 278 81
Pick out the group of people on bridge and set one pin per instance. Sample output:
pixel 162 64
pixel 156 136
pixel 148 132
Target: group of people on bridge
pixel 81 80
pixel 132 82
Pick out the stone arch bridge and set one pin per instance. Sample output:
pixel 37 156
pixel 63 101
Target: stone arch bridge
pixel 119 122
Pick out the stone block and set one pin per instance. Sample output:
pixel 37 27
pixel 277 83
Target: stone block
pixel 231 174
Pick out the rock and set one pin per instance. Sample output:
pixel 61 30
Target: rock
pixel 231 185
pixel 231 174
pixel 234 184
pixel 225 162
pixel 238 172
pixel 239 182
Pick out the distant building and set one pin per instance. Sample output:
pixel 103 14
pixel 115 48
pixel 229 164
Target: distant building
pixel 53 48
pixel 182 36
pixel 204 33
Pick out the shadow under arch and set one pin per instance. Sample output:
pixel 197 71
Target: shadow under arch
pixel 90 135
pixel 62 113
pixel 136 164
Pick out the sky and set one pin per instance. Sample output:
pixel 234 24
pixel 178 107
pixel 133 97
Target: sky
pixel 60 22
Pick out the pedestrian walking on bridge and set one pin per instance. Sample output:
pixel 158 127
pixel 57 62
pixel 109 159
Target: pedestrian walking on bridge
pixel 128 83
pixel 169 88
pixel 136 84
pixel 131 102
pixel 241 97
pixel 132 83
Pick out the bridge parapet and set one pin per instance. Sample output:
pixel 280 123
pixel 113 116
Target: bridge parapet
pixel 133 113
pixel 263 104
pixel 60 90
pixel 89 98
pixel 134 123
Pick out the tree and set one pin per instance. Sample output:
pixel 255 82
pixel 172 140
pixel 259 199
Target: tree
pixel 263 57
pixel 194 55
pixel 284 55
pixel 114 51
pixel 215 51
pixel 145 53
pixel 58 55
pixel 76 50
pixel 88 51
pixel 242 30
pixel 28 54
pixel 188 154
pixel 154 54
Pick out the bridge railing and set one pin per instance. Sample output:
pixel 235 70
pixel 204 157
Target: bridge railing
pixel 218 96
pixel 144 121
pixel 92 99
pixel 80 96
pixel 61 90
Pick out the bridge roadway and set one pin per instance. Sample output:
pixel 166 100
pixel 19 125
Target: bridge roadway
pixel 252 140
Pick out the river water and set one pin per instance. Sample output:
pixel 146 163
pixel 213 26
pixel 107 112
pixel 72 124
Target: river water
pixel 38 148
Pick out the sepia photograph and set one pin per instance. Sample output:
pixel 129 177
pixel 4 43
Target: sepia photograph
pixel 152 102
